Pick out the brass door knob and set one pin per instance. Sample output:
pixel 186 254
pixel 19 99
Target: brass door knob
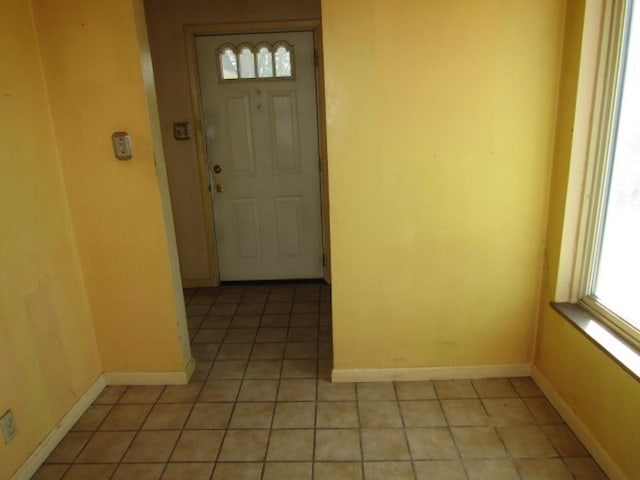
pixel 219 188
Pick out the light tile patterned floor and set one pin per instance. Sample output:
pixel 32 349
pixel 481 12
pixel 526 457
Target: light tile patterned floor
pixel 260 406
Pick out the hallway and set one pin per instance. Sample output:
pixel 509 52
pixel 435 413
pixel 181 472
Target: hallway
pixel 261 407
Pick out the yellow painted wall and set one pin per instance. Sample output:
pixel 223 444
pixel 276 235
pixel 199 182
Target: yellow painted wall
pixel 600 392
pixel 48 352
pixel 91 56
pixel 166 20
pixel 440 120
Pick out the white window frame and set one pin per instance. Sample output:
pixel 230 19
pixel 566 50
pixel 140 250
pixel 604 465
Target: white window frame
pixel 604 37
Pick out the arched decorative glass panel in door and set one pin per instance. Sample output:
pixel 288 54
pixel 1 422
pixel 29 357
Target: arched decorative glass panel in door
pixel 247 63
pixel 283 61
pixel 228 63
pixel 262 62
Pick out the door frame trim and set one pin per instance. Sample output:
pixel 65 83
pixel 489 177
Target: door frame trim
pixel 190 34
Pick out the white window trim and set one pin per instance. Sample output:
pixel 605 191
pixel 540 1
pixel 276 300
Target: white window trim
pixel 600 54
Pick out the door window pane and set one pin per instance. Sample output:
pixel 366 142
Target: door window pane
pixel 228 64
pixel 270 61
pixel 265 63
pixel 283 62
pixel 247 63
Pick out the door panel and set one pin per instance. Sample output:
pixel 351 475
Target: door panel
pixel 289 219
pixel 283 120
pixel 238 126
pixel 246 227
pixel 262 134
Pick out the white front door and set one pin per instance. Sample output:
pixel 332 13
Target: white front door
pixel 259 103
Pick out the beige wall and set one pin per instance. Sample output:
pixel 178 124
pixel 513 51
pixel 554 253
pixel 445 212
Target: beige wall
pixel 91 58
pixel 48 352
pixel 440 122
pixel 165 21
pixel 603 395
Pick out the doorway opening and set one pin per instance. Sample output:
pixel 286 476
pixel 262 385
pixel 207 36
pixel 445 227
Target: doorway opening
pixel 257 96
pixel 261 149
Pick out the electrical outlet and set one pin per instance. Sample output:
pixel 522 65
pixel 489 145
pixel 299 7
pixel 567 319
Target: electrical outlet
pixel 8 426
pixel 121 145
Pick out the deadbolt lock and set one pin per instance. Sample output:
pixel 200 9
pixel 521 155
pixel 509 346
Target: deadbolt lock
pixel 217 169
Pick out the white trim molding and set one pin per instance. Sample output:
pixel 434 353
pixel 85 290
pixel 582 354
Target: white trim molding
pixel 428 373
pixel 152 378
pixel 51 441
pixel 190 368
pixel 600 455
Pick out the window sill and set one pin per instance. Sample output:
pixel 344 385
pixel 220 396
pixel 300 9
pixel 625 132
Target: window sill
pixel 604 338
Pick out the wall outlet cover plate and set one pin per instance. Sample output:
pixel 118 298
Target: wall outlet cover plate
pixel 8 426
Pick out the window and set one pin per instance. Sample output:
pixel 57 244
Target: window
pixel 249 62
pixel 228 64
pixel 609 283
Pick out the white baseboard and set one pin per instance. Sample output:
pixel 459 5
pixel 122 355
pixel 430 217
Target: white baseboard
pixel 151 378
pixel 51 441
pixel 428 373
pixel 190 368
pixel 598 453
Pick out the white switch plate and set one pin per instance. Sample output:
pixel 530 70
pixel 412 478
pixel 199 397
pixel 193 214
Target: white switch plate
pixel 8 426
pixel 121 145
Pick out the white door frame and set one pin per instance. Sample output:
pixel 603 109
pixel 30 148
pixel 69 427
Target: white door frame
pixel 193 31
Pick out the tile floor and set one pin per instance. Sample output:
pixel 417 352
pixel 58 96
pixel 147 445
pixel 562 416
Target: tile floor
pixel 260 406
